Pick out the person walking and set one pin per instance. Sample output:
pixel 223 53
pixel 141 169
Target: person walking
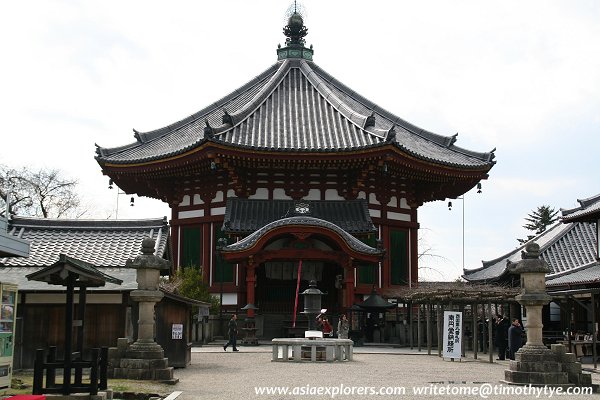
pixel 502 326
pixel 515 340
pixel 343 327
pixel 232 328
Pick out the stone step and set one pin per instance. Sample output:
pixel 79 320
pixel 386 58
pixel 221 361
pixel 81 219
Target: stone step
pixel 548 366
pixel 537 378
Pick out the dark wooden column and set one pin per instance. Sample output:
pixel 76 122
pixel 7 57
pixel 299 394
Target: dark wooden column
pixel 349 284
pixel 68 335
pixel 250 282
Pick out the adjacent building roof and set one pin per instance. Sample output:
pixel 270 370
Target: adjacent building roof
pixel 10 246
pixel 102 243
pixel 18 275
pixel 85 274
pixel 564 247
pixel 588 210
pixel 584 275
pixel 294 106
pixel 243 216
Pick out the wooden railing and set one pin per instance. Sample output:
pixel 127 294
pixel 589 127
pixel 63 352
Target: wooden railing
pixel 98 366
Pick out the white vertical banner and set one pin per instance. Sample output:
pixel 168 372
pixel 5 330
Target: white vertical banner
pixel 452 334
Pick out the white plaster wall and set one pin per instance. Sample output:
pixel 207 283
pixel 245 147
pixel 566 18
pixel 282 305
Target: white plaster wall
pixel 375 213
pixel 332 194
pixel 191 214
pixel 279 194
pixel 218 197
pixel 373 199
pixel 313 194
pixel 398 216
pixel 229 299
pixel 261 194
pixel 217 211
pixel 404 204
pixel 393 202
pixel 185 201
pixel 197 199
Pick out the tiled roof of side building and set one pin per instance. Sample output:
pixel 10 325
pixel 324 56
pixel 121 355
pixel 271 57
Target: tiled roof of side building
pixel 102 243
pixel 294 106
pixel 586 274
pixel 588 210
pixel 563 247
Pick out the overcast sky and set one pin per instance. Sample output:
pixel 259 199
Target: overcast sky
pixel 519 76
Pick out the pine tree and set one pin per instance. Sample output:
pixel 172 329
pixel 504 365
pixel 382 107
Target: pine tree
pixel 539 220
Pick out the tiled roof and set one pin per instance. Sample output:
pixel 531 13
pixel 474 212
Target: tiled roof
pixel 350 240
pixel 86 274
pixel 563 246
pixel 294 106
pixel 588 210
pixel 102 243
pixel 18 275
pixel 246 216
pixel 587 274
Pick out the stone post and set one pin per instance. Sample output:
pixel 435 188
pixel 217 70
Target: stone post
pixel 534 363
pixel 148 268
pixel 144 359
pixel 533 293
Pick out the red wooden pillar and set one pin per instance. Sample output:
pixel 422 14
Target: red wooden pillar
pixel 250 281
pixel 207 251
pixel 349 284
pixel 385 261
pixel 175 229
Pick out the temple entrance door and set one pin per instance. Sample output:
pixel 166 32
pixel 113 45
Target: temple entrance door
pixel 276 285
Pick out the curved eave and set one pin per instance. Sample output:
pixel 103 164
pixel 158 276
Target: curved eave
pixel 283 225
pixel 210 146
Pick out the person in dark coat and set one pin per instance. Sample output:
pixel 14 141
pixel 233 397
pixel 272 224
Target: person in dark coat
pixel 515 333
pixel 502 326
pixel 232 327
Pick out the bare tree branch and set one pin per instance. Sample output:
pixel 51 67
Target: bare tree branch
pixel 40 193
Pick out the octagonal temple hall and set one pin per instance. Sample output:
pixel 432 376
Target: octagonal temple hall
pixel 292 168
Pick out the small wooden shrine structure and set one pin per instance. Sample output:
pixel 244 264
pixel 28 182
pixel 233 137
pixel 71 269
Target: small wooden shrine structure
pixel 71 273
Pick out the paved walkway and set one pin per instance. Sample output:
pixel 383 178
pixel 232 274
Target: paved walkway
pixel 215 374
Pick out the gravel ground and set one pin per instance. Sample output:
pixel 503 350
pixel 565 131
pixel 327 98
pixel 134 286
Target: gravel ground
pixel 215 374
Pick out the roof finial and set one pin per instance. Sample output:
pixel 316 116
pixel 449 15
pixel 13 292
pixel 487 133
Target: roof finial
pixel 295 31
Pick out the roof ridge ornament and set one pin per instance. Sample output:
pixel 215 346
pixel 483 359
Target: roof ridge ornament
pixel 137 136
pixel 208 130
pixel 227 118
pixel 370 120
pixel 391 134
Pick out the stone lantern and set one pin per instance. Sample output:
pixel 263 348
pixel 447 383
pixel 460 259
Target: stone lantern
pixel 534 363
pixel 312 303
pixel 144 359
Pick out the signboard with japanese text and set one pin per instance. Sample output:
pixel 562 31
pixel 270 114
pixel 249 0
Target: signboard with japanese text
pixel 452 334
pixel 177 331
